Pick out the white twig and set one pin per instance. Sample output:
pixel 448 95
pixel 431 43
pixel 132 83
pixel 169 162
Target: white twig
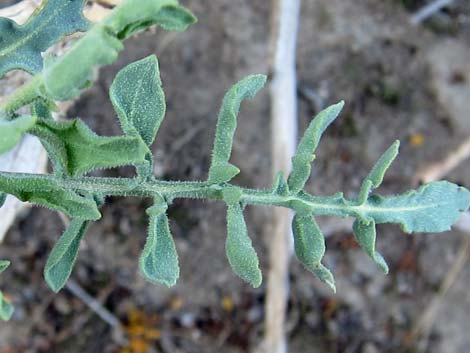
pixel 93 304
pixel 429 10
pixel 284 135
pixel 441 168
pixel 426 320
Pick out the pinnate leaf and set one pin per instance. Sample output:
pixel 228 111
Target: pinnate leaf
pixel 159 261
pixel 12 130
pixel 366 237
pixel 221 170
pixel 309 246
pixel 62 258
pixel 305 154
pixel 433 208
pixel 21 45
pixel 47 192
pixel 239 248
pixel 138 98
pixel 75 150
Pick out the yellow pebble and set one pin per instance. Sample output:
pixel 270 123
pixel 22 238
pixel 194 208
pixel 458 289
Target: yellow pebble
pixel 417 140
pixel 176 303
pixel 227 304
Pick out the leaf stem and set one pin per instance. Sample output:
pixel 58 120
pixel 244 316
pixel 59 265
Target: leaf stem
pixel 422 210
pixel 302 202
pixel 22 96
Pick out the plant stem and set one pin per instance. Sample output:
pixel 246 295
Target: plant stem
pixel 318 205
pixel 23 95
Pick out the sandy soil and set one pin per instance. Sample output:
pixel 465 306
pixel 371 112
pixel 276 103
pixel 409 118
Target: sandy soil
pixel 395 79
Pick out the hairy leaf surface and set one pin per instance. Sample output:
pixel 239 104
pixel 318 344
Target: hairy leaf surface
pixel 159 261
pixel 12 130
pixel 239 248
pixel 376 175
pixel 102 44
pixel 366 237
pixel 135 15
pixel 138 98
pixel 305 154
pixel 97 48
pixel 43 191
pixel 434 207
pixel 221 170
pixel 21 45
pixel 75 150
pixel 62 258
pixel 280 186
pixel 309 246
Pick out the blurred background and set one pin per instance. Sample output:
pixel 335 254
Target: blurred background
pixel 402 77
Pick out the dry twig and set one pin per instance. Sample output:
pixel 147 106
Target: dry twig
pixel 429 10
pixel 284 135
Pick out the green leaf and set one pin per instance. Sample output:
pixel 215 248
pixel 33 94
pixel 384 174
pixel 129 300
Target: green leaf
pixel 42 109
pixel 159 261
pixel 4 265
pixel 305 154
pixel 50 193
pixel 432 208
pixel 221 170
pixel 135 15
pixel 75 150
pixel 309 246
pixel 239 248
pixel 366 237
pixel 102 44
pixel 3 198
pixel 280 186
pixel 376 175
pixel 21 45
pixel 6 309
pixel 174 18
pixel 12 130
pixel 138 98
pixel 98 47
pixel 62 258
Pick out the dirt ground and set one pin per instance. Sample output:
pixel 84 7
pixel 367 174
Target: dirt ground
pixel 399 81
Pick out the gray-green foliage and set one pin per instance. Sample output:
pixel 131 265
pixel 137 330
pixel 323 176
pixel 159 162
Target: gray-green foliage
pixel 221 170
pixel 74 149
pixel 159 260
pixel 309 246
pixel 240 252
pixel 12 130
pixel 64 254
pixel 139 101
pixel 138 98
pixel 21 45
